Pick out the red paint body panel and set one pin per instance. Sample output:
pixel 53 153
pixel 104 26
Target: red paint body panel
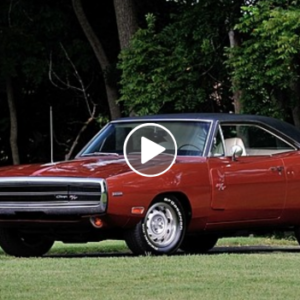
pixel 291 212
pixel 247 189
pixel 188 177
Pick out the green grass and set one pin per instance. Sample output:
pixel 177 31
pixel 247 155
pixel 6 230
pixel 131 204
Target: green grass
pixel 89 248
pixel 223 276
pixel 256 241
pixel 120 246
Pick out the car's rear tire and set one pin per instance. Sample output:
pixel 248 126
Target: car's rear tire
pixel 297 234
pixel 20 245
pixel 162 229
pixel 195 244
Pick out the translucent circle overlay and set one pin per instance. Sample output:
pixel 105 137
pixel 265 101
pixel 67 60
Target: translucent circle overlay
pixel 166 160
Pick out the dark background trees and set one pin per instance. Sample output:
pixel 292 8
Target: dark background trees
pixel 181 55
pixel 33 37
pixel 266 65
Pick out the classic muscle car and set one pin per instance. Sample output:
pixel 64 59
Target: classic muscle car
pixel 232 173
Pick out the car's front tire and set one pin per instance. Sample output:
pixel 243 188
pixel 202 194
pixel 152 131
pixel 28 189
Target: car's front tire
pixel 16 244
pixel 162 229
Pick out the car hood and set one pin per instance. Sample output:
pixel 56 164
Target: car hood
pixel 81 167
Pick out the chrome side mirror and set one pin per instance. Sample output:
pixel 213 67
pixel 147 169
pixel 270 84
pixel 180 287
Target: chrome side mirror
pixel 237 151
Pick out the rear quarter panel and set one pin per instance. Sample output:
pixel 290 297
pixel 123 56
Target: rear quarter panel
pixel 291 214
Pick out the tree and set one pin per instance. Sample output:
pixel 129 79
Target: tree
pixel 179 68
pixel 14 60
pixel 29 34
pixel 102 58
pixel 126 18
pixel 13 121
pixel 266 66
pixel 80 87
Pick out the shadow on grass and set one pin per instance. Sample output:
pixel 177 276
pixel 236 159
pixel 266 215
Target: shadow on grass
pixel 214 251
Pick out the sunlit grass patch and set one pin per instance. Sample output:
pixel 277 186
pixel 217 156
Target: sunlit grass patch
pixel 222 276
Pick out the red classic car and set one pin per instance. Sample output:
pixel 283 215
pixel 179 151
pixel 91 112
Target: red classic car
pixel 232 173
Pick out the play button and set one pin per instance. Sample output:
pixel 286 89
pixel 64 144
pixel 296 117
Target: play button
pixel 150 149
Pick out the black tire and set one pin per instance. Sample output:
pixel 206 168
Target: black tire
pixel 297 234
pixel 16 244
pixel 195 244
pixel 161 231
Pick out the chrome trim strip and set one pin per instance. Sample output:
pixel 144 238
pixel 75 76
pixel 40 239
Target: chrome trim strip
pixel 160 120
pixel 154 120
pixel 42 179
pixel 29 205
pixel 33 193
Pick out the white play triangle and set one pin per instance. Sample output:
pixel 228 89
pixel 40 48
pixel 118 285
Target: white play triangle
pixel 149 150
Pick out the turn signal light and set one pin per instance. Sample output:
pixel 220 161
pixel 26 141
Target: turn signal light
pixel 97 222
pixel 139 210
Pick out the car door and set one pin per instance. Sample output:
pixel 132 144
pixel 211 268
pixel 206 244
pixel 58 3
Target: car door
pixel 251 186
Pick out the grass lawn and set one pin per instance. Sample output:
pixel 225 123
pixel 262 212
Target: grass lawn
pixel 223 276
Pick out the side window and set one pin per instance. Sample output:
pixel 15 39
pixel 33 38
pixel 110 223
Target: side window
pixel 253 139
pixel 218 145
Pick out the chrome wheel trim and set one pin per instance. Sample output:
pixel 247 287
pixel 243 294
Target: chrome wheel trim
pixel 162 227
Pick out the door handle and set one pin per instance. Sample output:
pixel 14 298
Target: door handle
pixel 278 169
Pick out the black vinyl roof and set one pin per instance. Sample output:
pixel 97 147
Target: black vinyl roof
pixel 279 126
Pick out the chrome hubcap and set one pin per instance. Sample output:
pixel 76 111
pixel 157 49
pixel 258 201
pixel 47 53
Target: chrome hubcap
pixel 158 224
pixel 162 227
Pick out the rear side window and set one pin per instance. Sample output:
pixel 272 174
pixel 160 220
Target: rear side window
pixel 253 139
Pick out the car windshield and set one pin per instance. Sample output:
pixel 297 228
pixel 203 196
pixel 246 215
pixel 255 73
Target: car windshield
pixel 190 136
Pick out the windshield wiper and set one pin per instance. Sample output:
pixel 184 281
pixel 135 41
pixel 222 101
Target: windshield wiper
pixel 101 154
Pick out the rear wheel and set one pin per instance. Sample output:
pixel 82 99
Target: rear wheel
pixel 161 231
pixel 17 244
pixel 198 243
pixel 297 234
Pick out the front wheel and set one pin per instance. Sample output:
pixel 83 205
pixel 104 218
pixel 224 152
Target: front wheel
pixel 17 244
pixel 162 229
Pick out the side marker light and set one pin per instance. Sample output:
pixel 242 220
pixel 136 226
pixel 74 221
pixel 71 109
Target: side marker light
pixel 137 210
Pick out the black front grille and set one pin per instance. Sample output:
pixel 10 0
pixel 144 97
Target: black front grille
pixel 37 190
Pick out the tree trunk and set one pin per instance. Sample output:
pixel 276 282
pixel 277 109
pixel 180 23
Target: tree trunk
pixel 126 21
pixel 295 87
pixel 111 92
pixel 296 114
pixel 13 121
pixel 237 94
pixel 125 11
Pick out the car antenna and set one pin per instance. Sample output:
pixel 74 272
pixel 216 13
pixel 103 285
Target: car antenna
pixel 51 135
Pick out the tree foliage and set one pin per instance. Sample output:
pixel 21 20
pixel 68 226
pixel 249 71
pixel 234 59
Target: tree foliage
pixel 179 68
pixel 266 65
